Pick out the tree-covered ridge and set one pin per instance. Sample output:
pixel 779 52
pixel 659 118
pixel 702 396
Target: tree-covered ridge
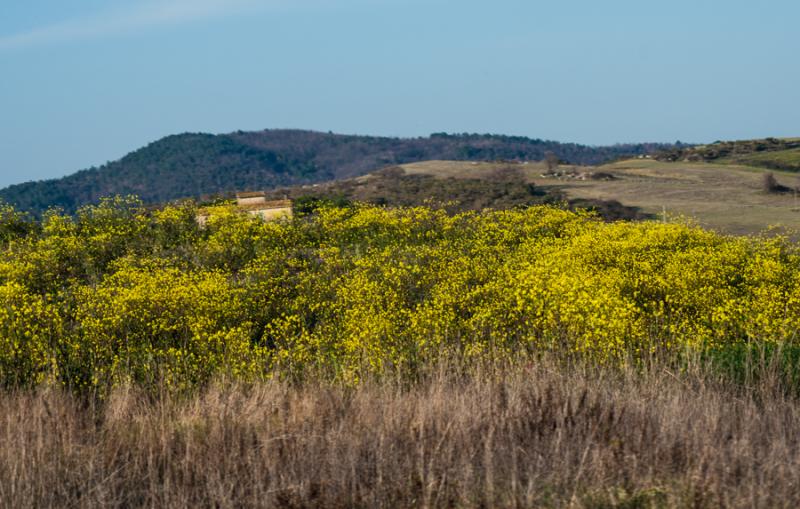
pixel 196 164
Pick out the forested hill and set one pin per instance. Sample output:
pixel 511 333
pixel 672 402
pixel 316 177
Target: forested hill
pixel 196 164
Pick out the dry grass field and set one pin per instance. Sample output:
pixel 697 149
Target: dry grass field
pixel 535 435
pixel 723 197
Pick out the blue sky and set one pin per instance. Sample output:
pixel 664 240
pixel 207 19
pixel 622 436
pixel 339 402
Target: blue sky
pixel 86 81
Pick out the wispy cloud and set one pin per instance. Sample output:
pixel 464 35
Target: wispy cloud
pixel 136 16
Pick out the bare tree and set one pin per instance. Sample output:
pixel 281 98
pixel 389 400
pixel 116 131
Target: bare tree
pixel 551 160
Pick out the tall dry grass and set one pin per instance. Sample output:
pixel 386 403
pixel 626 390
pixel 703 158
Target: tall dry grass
pixel 538 436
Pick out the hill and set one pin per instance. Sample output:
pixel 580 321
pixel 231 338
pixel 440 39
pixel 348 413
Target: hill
pixel 197 164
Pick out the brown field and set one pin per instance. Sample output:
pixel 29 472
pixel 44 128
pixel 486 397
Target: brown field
pixel 726 198
pixel 534 436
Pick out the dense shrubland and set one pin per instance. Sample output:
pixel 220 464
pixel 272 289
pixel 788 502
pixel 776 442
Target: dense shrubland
pixel 121 295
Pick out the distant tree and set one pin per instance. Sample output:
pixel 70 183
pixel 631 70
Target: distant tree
pixel 551 160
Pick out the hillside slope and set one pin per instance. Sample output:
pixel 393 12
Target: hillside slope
pixel 785 160
pixel 773 153
pixel 196 164
pixel 726 197
pixel 456 186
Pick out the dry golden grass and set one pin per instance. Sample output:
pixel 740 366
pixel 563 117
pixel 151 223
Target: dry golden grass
pixel 535 436
pixel 726 198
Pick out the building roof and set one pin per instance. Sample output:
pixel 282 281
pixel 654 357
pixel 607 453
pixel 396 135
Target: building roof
pixel 266 205
pixel 251 194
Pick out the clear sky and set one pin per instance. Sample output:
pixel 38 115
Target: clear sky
pixel 86 81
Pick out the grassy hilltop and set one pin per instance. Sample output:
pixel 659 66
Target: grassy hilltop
pixel 787 160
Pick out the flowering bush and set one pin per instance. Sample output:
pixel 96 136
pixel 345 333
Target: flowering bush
pixel 123 295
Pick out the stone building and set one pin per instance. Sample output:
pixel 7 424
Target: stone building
pixel 256 204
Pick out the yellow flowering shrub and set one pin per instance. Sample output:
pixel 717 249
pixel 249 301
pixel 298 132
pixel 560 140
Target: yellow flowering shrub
pixel 161 326
pixel 119 294
pixel 29 330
